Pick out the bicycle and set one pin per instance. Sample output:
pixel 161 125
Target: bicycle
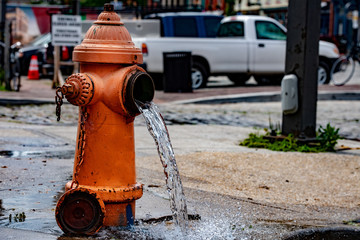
pixel 343 68
pixel 15 68
pixel 14 76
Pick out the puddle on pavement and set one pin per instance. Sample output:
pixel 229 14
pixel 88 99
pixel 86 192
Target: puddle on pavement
pixel 37 212
pixel 31 208
pixel 214 228
pixel 33 154
pixel 33 217
pixel 31 182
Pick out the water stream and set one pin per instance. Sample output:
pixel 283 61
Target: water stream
pixel 157 129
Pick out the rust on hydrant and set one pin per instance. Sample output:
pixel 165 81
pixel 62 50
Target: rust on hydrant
pixel 103 189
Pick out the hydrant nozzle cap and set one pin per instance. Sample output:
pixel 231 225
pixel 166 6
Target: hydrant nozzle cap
pixel 108 41
pixel 108 16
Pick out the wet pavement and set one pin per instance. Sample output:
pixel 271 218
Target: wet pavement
pixel 239 193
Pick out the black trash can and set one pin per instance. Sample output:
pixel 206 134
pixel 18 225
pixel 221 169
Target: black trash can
pixel 177 72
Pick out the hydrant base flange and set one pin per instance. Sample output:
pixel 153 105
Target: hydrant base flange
pixel 111 194
pixel 119 202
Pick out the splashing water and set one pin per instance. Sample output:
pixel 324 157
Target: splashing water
pixel 157 129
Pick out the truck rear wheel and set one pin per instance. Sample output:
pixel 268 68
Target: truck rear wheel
pixel 238 79
pixel 199 75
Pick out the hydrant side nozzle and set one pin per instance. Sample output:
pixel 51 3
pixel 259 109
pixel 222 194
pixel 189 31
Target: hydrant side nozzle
pixel 79 89
pixel 139 89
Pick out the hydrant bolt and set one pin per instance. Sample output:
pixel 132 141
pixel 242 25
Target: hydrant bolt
pixel 67 89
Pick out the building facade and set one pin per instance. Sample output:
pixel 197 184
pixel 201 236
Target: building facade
pixel 19 25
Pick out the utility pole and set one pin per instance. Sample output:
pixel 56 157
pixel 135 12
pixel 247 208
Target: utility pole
pixel 2 29
pixel 76 7
pixel 6 53
pixel 302 59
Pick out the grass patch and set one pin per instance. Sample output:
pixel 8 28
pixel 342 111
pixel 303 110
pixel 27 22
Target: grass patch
pixel 2 88
pixel 325 141
pixel 355 223
pixel 2 79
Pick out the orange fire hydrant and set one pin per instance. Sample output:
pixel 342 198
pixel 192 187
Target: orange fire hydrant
pixel 104 188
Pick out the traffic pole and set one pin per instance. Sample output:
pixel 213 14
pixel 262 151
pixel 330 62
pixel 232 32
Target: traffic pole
pixel 302 59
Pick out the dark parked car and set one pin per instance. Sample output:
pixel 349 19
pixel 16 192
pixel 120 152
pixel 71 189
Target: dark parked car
pixel 187 24
pixel 43 49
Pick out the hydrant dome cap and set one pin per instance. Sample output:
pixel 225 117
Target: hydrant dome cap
pixel 108 41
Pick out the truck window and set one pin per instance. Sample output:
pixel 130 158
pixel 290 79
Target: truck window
pixel 269 30
pixel 185 27
pixel 211 26
pixel 231 29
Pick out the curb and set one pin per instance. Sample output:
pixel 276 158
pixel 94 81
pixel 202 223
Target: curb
pixel 268 97
pixel 18 102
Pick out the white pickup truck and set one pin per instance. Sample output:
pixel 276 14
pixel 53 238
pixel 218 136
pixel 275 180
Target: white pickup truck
pixel 245 46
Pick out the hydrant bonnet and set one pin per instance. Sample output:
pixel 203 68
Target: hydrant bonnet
pixel 108 41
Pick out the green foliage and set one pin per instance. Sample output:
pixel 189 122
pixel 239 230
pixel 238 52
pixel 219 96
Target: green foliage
pixel 328 137
pixel 255 141
pixel 2 79
pixel 288 144
pixel 326 141
pixel 229 7
pixel 93 3
pixel 355 223
pixel 36 2
pixel 274 129
pixel 19 217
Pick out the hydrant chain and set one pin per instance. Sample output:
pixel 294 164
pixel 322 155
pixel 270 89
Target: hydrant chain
pixel 81 146
pixel 58 101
